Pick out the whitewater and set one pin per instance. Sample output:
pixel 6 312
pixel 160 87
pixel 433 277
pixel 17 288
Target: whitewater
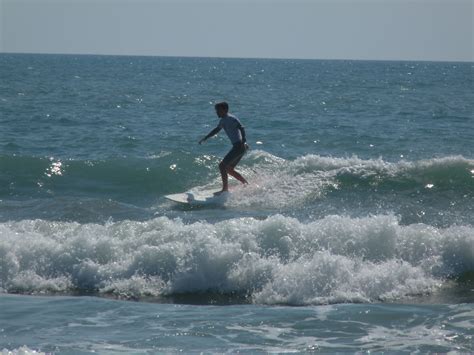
pixel 355 233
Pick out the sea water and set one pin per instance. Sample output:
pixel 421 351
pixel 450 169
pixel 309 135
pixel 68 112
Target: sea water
pixel 356 232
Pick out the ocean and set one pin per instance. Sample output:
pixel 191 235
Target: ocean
pixel 355 233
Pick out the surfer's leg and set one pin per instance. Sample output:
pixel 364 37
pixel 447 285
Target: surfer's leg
pixel 225 177
pixel 232 172
pixel 231 167
pixel 228 164
pixel 225 164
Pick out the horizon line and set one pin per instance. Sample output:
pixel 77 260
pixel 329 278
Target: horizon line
pixel 237 57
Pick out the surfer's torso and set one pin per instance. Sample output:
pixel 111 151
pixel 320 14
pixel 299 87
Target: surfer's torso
pixel 231 125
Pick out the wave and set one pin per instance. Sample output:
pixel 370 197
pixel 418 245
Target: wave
pixel 157 174
pixel 436 191
pixel 172 172
pixel 277 182
pixel 279 260
pixel 447 172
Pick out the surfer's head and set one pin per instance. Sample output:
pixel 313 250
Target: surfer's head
pixel 222 108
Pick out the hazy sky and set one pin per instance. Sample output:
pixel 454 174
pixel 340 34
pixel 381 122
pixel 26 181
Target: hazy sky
pixel 326 29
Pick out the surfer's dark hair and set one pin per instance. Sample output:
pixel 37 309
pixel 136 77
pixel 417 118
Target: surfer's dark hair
pixel 222 104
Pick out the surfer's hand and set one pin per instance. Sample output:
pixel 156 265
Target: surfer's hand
pixel 247 147
pixel 202 140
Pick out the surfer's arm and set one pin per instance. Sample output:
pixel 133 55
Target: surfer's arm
pixel 211 134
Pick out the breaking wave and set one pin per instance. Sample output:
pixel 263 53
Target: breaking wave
pixel 279 182
pixel 287 180
pixel 279 260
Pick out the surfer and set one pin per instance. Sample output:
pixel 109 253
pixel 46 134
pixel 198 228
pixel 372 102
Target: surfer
pixel 236 133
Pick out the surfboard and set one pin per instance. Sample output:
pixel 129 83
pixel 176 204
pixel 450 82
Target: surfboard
pixel 204 197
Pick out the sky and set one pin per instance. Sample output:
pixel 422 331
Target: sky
pixel 438 30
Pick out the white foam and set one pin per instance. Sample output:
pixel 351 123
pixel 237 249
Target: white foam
pixel 327 278
pixel 23 350
pixel 277 260
pixel 277 183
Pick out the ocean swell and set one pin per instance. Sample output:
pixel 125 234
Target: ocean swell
pixel 169 172
pixel 25 176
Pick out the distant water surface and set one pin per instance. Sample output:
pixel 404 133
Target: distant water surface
pixel 356 232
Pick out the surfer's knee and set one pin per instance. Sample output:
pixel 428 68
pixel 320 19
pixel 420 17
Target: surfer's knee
pixel 222 166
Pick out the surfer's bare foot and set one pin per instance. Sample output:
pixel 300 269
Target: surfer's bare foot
pixel 219 192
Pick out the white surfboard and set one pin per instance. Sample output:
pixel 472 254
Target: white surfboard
pixel 204 197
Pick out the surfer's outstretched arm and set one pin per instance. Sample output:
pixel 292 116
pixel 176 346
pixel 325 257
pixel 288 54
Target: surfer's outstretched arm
pixel 211 134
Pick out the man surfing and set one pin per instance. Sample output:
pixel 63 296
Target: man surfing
pixel 236 133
